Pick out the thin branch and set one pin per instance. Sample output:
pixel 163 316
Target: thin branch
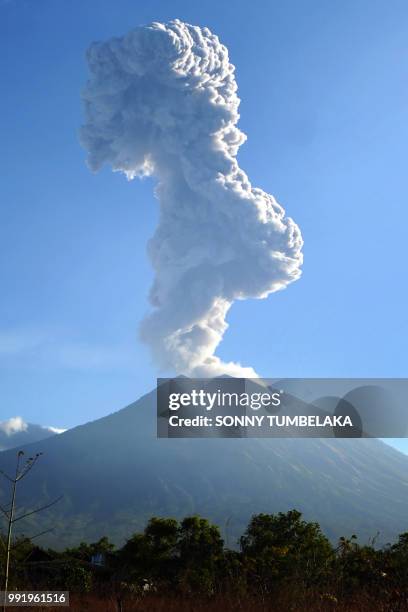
pixel 6 476
pixel 28 466
pixel 38 509
pixel 37 535
pixel 4 511
pixel 29 538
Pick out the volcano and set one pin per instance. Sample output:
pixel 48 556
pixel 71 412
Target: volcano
pixel 115 474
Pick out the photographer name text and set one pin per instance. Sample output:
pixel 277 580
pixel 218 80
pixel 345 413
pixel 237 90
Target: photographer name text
pixel 261 420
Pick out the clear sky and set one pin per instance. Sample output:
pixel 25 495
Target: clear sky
pixel 324 105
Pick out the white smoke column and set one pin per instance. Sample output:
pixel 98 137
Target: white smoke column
pixel 163 101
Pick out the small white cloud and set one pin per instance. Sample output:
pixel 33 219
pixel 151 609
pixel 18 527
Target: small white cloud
pixel 56 430
pixel 13 425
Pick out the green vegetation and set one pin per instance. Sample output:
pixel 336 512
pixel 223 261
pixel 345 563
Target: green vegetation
pixel 283 563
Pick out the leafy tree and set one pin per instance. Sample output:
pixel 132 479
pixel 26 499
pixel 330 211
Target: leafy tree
pixel 284 548
pixel 200 549
pixel 359 569
pixel 395 570
pixel 85 551
pixel 283 559
pixel 152 554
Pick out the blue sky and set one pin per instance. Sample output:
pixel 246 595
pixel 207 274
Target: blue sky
pixel 324 105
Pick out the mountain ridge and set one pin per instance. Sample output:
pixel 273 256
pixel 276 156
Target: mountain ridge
pixel 115 474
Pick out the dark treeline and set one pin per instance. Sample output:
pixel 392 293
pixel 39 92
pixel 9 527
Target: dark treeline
pixel 283 563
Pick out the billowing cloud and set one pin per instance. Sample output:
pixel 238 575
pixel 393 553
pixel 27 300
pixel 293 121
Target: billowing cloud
pixel 15 432
pixel 13 426
pixel 162 101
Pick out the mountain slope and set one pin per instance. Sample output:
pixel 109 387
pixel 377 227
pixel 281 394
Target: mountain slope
pixel 115 474
pixel 16 432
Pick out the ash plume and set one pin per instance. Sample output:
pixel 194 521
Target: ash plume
pixel 162 100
